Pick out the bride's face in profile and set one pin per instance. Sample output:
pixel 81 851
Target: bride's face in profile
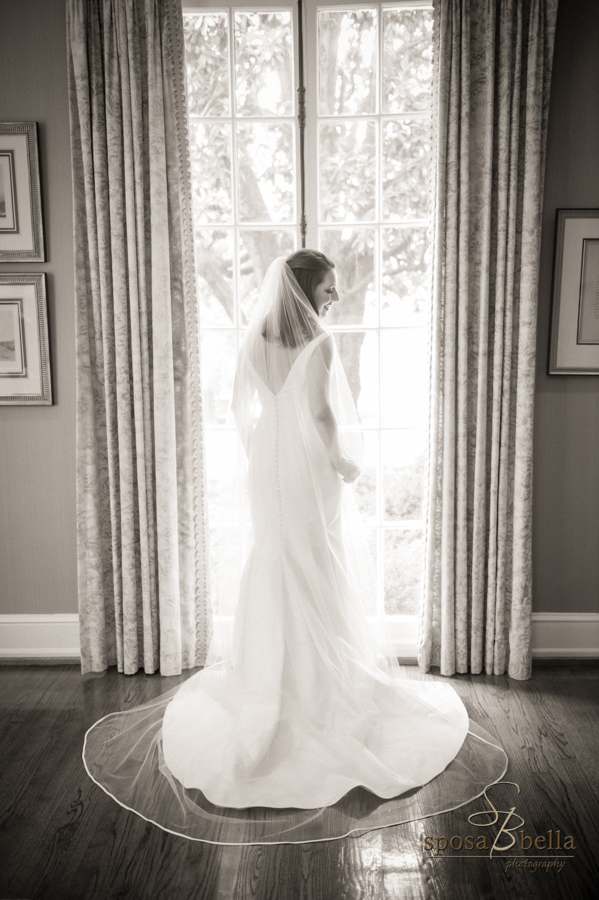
pixel 325 294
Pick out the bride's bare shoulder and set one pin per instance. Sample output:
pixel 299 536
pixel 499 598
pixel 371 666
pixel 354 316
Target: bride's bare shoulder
pixel 319 332
pixel 324 349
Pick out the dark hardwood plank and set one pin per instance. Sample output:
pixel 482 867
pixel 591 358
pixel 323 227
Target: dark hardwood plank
pixel 62 838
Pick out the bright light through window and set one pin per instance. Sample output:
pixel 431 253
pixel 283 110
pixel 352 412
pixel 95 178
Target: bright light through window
pixel 371 140
pixel 368 82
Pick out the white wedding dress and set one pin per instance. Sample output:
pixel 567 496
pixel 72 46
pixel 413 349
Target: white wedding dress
pixel 306 710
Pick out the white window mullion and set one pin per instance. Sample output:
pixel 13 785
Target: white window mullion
pixel 234 180
pixel 359 235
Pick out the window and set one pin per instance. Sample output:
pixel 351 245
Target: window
pixel 367 151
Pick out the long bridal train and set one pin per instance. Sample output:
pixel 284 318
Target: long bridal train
pixel 305 732
pixel 123 754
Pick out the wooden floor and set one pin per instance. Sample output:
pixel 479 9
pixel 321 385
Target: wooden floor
pixel 62 838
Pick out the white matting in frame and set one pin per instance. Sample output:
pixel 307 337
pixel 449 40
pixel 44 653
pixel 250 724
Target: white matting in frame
pixel 21 226
pixel 24 349
pixel 575 311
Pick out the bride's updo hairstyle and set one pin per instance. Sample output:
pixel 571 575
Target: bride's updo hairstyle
pixel 309 268
pixel 291 321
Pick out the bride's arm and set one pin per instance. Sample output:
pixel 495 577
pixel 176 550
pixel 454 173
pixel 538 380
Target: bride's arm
pixel 319 388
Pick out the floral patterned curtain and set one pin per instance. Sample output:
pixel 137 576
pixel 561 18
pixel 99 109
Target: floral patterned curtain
pixel 492 76
pixel 142 556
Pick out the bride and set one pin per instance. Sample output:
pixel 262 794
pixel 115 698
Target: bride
pixel 305 709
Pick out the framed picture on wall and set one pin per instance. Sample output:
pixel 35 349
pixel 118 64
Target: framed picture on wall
pixel 21 227
pixel 24 349
pixel 575 310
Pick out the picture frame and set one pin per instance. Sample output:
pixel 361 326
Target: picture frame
pixel 21 225
pixel 574 348
pixel 25 378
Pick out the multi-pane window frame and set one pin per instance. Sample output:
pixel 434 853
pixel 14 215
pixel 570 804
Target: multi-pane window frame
pixel 403 623
pixel 219 428
pixel 236 224
pixel 316 226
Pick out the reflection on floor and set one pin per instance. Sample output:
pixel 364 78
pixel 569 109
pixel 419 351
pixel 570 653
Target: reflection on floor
pixel 62 838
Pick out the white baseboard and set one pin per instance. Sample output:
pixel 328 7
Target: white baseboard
pixel 565 635
pixel 47 636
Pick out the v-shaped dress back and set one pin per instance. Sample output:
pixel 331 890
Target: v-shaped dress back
pixel 305 711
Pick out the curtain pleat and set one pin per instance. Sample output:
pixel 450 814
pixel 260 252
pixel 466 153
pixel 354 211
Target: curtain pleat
pixel 142 546
pixel 491 94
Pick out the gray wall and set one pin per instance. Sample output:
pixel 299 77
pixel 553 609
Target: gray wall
pixel 37 444
pixel 566 454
